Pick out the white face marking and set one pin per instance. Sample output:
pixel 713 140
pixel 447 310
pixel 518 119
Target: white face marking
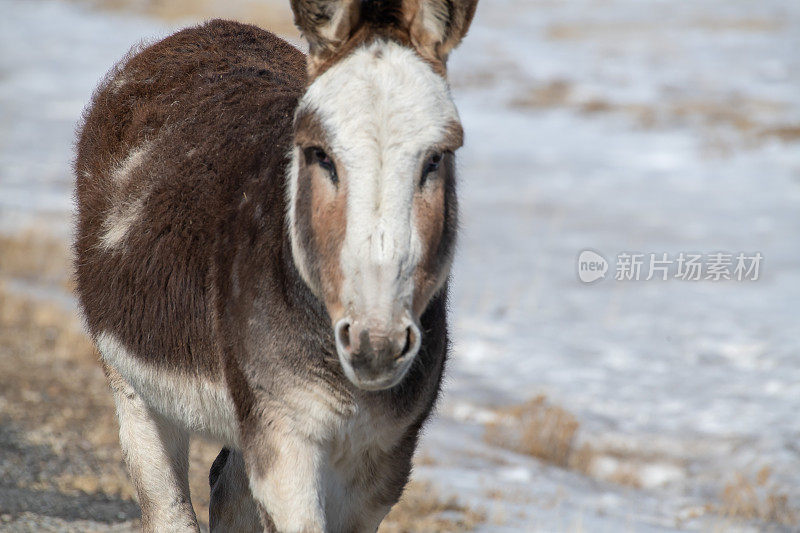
pixel 383 108
pixel 200 405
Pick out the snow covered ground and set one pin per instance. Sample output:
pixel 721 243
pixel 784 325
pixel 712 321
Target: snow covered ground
pixel 616 126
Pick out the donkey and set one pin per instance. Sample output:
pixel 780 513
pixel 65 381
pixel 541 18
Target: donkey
pixel 263 245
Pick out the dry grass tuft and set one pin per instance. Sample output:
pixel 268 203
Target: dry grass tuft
pixel 421 509
pixel 751 120
pixel 553 93
pixel 535 428
pixel 757 498
pixel 786 133
pixel 551 433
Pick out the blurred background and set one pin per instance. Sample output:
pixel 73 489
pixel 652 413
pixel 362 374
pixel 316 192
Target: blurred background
pixel 610 125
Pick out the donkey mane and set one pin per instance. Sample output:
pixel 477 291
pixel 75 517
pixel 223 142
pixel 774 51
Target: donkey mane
pixel 382 13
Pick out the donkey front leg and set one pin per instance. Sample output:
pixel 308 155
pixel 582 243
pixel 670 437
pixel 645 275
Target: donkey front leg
pixel 285 479
pixel 157 455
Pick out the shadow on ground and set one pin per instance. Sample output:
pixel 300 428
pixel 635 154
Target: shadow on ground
pixel 26 472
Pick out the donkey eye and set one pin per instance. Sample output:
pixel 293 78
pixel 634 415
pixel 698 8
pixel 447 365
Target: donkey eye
pixel 431 165
pixel 316 155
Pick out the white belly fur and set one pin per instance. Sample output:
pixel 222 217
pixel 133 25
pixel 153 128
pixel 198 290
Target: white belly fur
pixel 200 405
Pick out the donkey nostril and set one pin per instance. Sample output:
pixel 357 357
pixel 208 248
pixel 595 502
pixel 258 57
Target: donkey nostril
pixel 343 335
pixel 411 340
pixel 346 336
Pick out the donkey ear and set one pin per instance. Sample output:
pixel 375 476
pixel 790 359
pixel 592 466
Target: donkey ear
pixel 437 26
pixel 325 24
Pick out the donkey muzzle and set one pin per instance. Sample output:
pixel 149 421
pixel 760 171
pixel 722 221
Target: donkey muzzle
pixel 376 358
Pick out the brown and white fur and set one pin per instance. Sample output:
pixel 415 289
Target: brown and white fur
pixel 263 245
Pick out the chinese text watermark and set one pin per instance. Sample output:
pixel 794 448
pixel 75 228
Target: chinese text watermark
pixel 684 266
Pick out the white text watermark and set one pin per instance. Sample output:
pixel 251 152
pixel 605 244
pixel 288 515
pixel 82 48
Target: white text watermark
pixel 662 266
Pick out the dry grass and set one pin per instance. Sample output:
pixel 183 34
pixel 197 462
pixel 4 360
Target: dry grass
pixel 786 133
pixel 619 29
pixel 580 31
pixel 421 510
pixel 756 498
pixel 622 465
pixel 274 16
pixel 536 428
pixel 33 257
pixel 625 471
pixel 551 434
pixel 54 394
pixel 553 93
pixel 744 25
pixel 752 120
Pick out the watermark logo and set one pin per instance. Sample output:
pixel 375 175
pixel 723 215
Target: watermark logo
pixel 591 266
pixel 684 266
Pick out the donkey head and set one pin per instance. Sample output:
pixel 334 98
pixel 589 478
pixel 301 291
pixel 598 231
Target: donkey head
pixel 372 204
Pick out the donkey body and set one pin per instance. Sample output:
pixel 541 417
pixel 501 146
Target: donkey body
pixel 262 251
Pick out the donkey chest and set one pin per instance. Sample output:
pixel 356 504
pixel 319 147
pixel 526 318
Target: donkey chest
pixel 363 437
pixel 357 457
